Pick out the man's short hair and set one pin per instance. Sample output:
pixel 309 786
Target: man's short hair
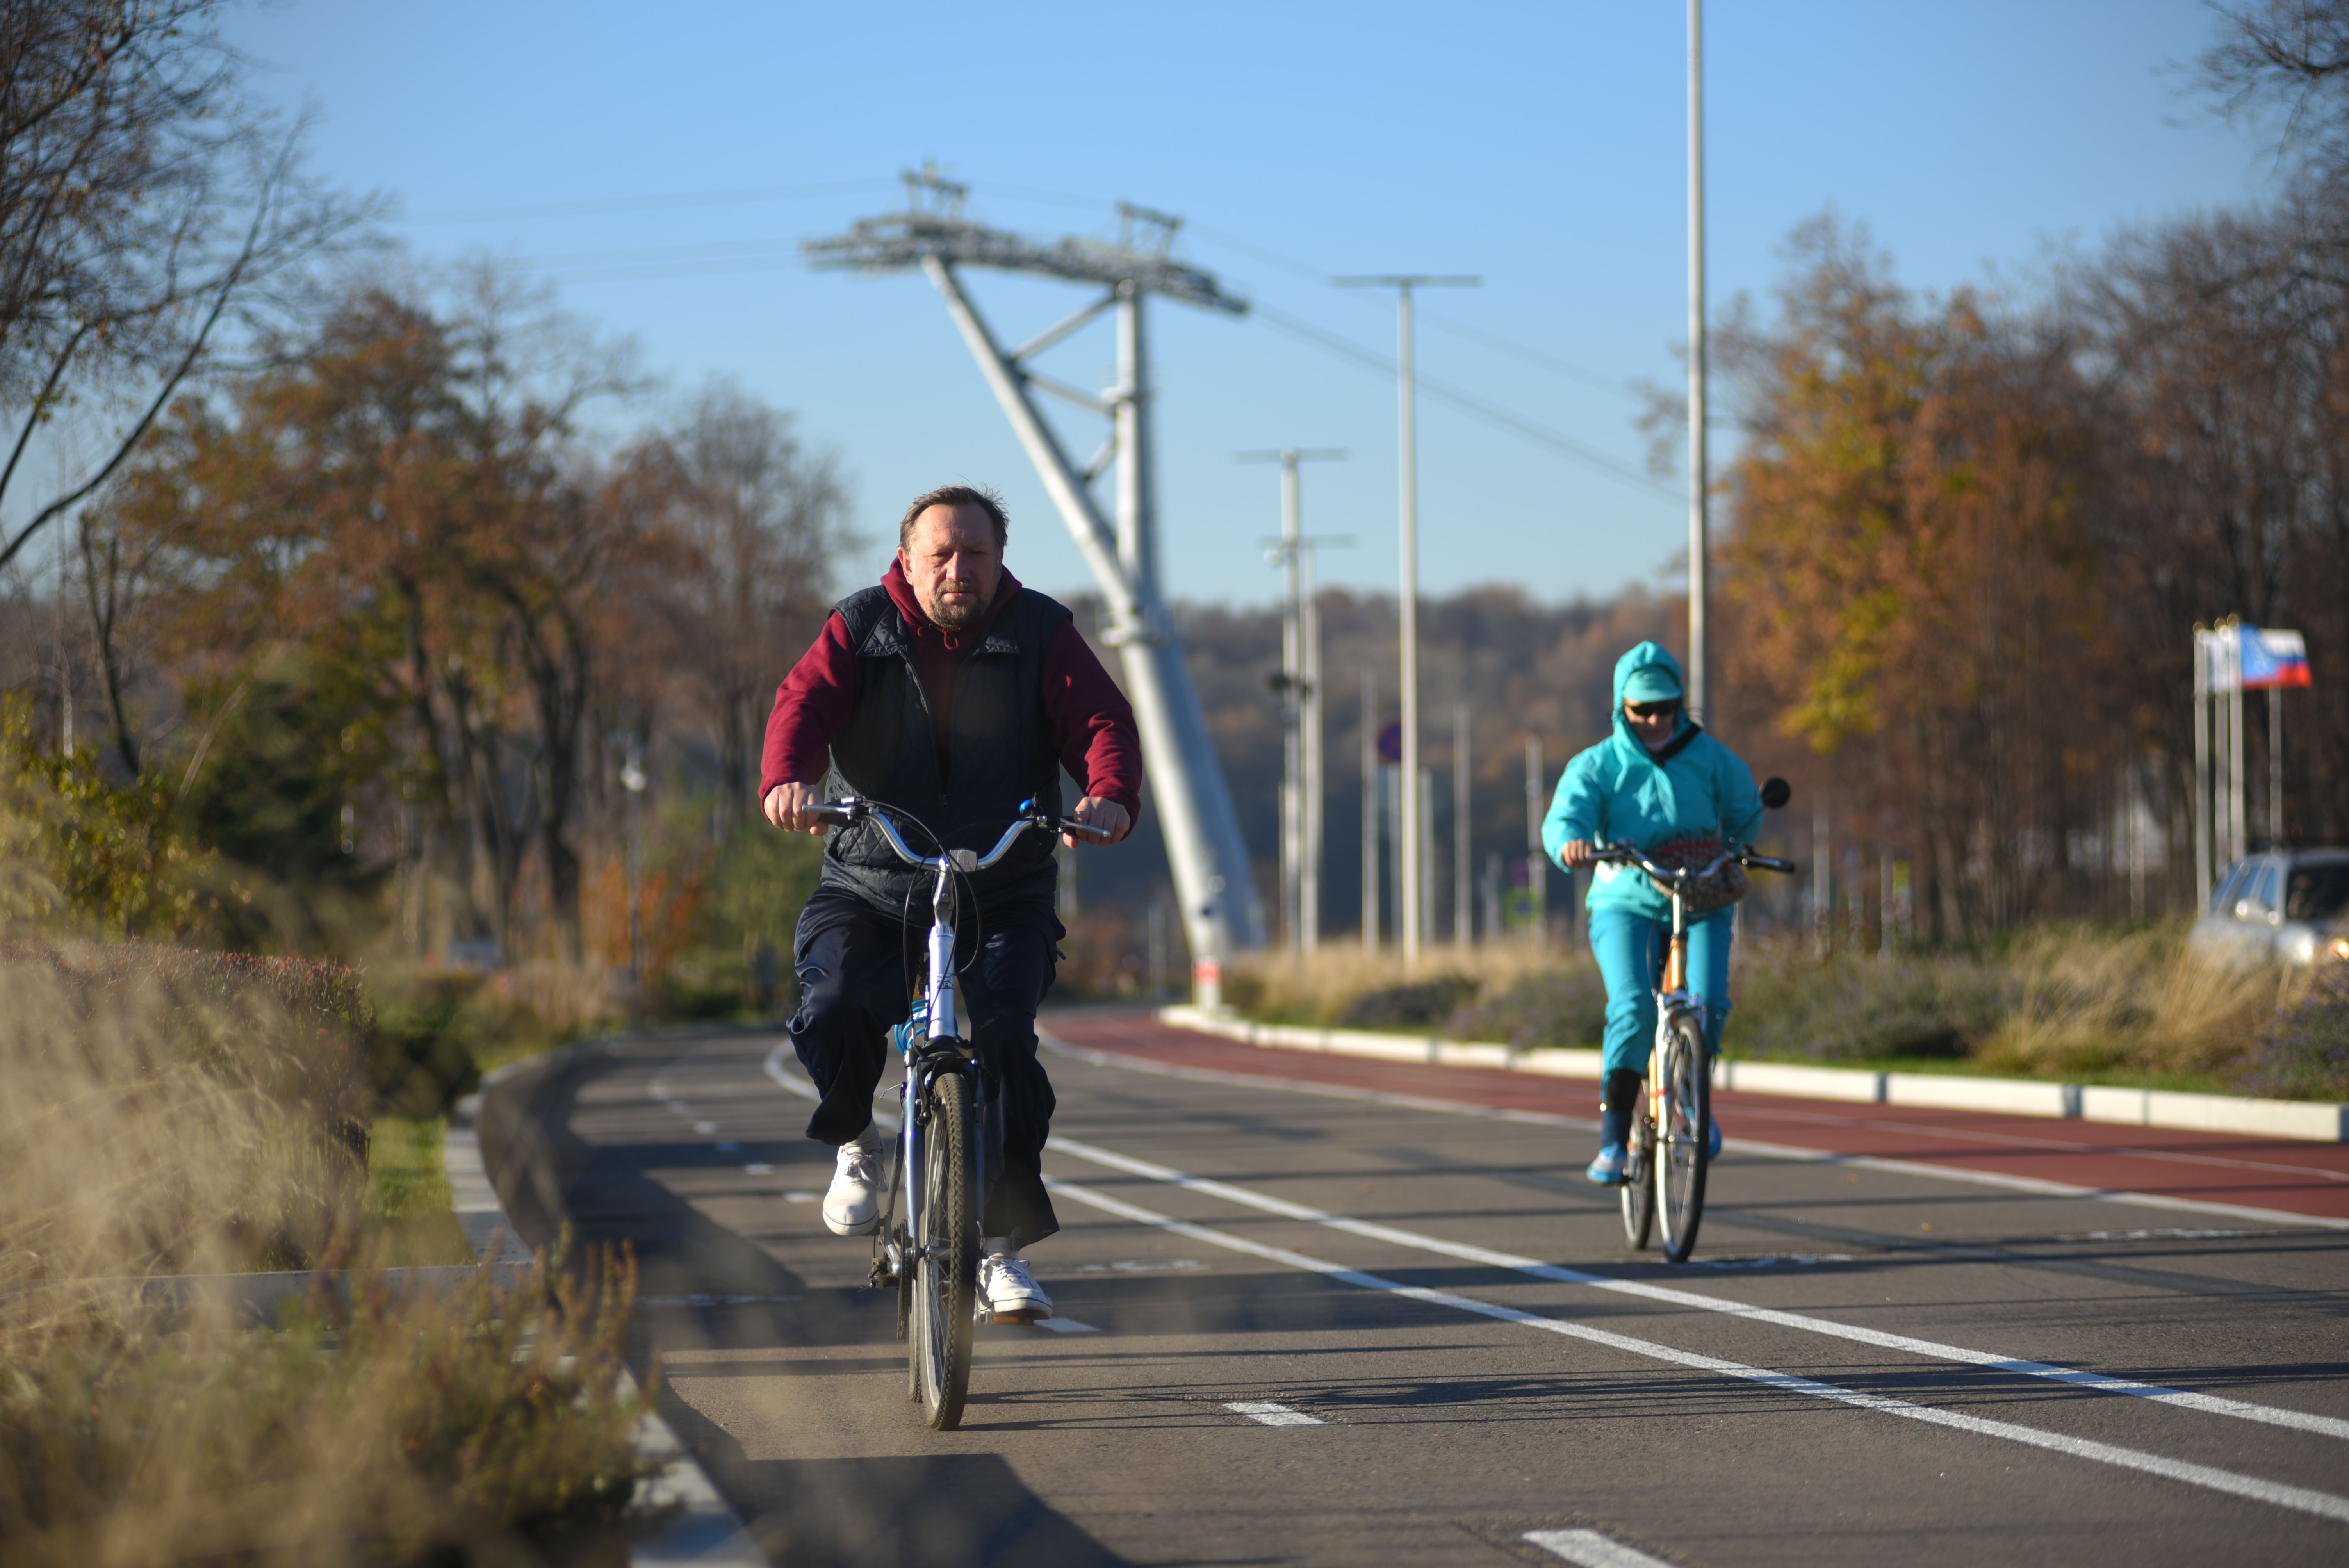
pixel 986 501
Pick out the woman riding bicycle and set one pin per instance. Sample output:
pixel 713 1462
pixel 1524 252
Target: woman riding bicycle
pixel 1660 784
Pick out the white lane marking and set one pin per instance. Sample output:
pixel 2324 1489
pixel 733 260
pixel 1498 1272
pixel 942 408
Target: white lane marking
pixel 1273 1413
pixel 758 1168
pixel 802 1197
pixel 2209 1403
pixel 1066 1326
pixel 1744 1145
pixel 2324 1505
pixel 1144 1266
pixel 705 1128
pixel 1589 1549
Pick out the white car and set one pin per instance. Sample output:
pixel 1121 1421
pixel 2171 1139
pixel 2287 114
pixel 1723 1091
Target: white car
pixel 2284 906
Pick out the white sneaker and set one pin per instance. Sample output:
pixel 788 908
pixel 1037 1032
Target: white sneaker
pixel 853 1206
pixel 1010 1292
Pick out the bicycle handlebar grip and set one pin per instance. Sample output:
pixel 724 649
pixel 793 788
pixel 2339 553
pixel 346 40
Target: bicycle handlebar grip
pixel 1769 864
pixel 1086 829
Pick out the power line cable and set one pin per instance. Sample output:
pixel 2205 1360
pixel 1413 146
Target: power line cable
pixel 650 203
pixel 1468 403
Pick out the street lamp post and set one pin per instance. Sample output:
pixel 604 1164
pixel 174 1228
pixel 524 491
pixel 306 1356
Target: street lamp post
pixel 1409 916
pixel 1699 586
pixel 1299 686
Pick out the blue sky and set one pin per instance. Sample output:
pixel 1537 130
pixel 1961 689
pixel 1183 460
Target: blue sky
pixel 1538 146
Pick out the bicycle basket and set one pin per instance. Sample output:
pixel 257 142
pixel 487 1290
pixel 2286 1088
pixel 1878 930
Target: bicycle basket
pixel 1701 895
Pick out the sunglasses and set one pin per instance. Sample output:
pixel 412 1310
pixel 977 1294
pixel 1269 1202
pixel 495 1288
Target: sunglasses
pixel 1651 709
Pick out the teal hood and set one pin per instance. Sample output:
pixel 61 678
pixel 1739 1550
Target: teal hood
pixel 1643 656
pixel 1691 791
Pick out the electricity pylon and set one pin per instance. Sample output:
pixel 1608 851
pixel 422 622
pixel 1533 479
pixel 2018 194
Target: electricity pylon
pixel 1204 847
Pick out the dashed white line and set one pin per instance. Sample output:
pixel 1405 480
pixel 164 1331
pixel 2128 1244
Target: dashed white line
pixel 1272 1413
pixel 1589 1549
pixel 1066 1326
pixel 2209 1403
pixel 1744 1145
pixel 2278 1494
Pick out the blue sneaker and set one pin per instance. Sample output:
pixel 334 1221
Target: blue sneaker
pixel 1607 1169
pixel 1713 1138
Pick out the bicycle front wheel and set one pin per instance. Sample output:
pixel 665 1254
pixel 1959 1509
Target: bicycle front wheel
pixel 1639 1191
pixel 1687 1118
pixel 948 1278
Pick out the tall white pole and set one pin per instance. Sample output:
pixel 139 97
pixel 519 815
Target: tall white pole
pixel 1699 543
pixel 2202 792
pixel 1292 669
pixel 1408 846
pixel 1463 786
pixel 1537 858
pixel 2239 825
pixel 2275 764
pixel 1408 438
pixel 1370 812
pixel 1309 887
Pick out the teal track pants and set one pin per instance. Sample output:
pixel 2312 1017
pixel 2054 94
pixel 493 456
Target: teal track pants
pixel 1628 948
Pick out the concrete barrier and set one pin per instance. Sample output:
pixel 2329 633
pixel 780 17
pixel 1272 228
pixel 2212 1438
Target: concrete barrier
pixel 2308 1121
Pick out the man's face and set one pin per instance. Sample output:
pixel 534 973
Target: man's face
pixel 953 564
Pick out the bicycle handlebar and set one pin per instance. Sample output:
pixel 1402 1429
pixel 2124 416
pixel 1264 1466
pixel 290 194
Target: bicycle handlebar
pixel 1625 854
pixel 856 810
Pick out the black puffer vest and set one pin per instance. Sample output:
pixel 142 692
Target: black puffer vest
pixel 999 746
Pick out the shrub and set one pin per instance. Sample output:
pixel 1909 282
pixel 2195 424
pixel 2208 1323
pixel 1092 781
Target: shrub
pixel 393 1430
pixel 1562 1007
pixel 1846 1007
pixel 1421 1005
pixel 2304 1053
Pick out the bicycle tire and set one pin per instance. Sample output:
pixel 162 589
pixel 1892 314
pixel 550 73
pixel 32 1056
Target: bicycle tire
pixel 944 1303
pixel 1681 1158
pixel 1638 1193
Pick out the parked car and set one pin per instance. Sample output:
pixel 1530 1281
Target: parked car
pixel 2283 906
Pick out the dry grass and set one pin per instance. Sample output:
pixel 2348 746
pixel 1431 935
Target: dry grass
pixel 146 1130
pixel 1320 988
pixel 2059 1002
pixel 2094 1002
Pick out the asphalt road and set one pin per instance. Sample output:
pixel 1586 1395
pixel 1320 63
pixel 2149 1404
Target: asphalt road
pixel 1319 1311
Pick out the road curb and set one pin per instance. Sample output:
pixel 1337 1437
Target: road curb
pixel 2305 1120
pixel 703 1531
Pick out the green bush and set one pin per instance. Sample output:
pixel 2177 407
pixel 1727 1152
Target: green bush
pixel 1565 1006
pixel 2305 1054
pixel 1848 1006
pixel 1422 1004
pixel 428 1043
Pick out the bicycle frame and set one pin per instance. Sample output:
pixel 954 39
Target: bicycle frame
pixel 1661 1141
pixel 944 1049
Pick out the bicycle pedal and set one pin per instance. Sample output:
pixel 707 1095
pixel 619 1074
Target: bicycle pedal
pixel 1013 1316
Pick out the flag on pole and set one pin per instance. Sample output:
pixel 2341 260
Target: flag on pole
pixel 2273 658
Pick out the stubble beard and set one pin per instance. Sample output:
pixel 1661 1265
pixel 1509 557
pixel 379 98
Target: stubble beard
pixel 958 617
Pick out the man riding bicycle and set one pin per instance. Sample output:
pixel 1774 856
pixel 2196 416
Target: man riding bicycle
pixel 1662 785
pixel 956 695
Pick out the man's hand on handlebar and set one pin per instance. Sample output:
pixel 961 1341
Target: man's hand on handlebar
pixel 787 808
pixel 1578 854
pixel 1096 812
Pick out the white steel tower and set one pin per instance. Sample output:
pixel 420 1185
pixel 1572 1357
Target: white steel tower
pixel 1203 847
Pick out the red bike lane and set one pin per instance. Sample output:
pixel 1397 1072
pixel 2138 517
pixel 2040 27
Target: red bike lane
pixel 2279 1176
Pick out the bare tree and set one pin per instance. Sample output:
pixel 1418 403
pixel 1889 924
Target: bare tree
pixel 2293 56
pixel 147 207
pixel 760 518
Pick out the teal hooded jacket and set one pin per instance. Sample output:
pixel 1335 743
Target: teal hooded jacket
pixel 1694 791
